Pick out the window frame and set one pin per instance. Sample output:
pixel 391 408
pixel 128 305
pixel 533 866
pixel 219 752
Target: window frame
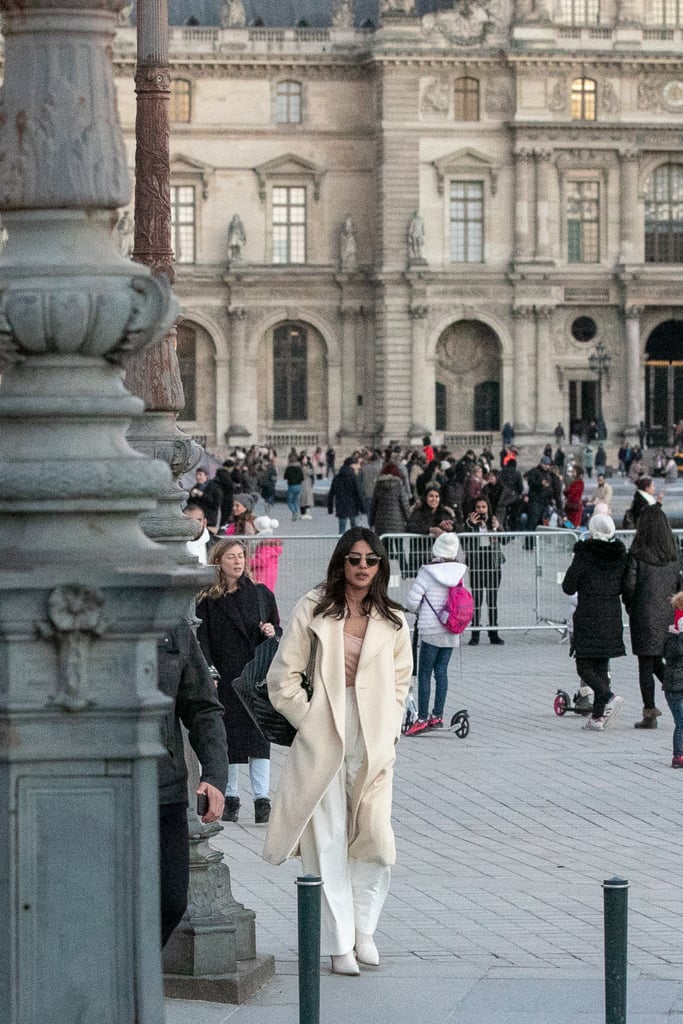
pixel 295 374
pixel 467 95
pixel 582 182
pixel 463 180
pixel 288 120
pixel 577 13
pixel 175 99
pixel 288 187
pixel 582 93
pixel 177 205
pixel 671 202
pixel 672 20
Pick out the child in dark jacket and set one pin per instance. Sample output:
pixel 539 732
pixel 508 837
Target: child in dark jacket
pixel 672 683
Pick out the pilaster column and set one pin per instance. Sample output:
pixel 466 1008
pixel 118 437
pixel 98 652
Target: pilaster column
pixel 242 382
pixel 422 405
pixel 334 399
pixel 524 407
pixel 628 205
pixel 82 602
pixel 523 209
pixel 348 346
pixel 546 380
pixel 633 382
pixel 543 171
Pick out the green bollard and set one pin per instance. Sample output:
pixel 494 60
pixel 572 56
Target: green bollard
pixel 308 907
pixel 615 896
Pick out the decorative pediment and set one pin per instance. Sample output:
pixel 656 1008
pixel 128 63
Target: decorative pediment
pixel 291 167
pixel 188 169
pixel 466 161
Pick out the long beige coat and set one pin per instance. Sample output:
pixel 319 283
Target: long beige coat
pixel 318 750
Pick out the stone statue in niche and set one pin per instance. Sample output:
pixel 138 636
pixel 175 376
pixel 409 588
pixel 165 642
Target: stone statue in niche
pixel 435 98
pixel 347 246
pixel 233 14
pixel 237 239
pixel 416 238
pixel 343 16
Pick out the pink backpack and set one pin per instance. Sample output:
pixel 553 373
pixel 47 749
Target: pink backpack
pixel 458 611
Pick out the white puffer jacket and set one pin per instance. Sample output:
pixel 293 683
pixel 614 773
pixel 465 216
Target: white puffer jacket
pixel 433 582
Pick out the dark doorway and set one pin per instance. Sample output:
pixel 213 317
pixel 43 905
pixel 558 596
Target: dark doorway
pixel 441 407
pixel 664 381
pixel 487 405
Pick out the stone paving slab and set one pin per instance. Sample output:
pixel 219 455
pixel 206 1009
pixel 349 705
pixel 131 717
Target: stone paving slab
pixel 504 839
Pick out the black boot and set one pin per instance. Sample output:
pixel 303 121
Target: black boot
pixel 262 810
pixel 474 639
pixel 231 811
pixel 494 638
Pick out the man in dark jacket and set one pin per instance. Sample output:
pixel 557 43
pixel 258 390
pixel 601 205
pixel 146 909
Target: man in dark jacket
pixel 346 495
pixel 596 575
pixel 185 678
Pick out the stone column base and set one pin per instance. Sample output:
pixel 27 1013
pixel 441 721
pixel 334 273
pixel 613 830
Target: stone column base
pixel 250 976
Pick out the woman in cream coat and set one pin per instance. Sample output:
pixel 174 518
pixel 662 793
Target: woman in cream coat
pixel 333 804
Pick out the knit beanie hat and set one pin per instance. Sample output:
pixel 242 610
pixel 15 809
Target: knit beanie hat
pixel 265 527
pixel 601 527
pixel 246 500
pixel 446 546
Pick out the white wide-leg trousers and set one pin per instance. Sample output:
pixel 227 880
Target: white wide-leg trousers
pixel 353 891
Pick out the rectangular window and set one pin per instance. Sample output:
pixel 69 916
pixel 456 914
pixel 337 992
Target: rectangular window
pixel 288 103
pixel 665 12
pixel 467 222
pixel 583 96
pixel 289 224
pixel 583 222
pixel 580 12
pixel 183 223
pixel 466 99
pixel 179 101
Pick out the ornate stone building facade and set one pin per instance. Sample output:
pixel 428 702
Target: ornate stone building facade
pixel 399 217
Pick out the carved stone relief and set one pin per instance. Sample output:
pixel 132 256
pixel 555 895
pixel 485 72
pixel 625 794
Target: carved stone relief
pixel 471 23
pixel 435 98
pixel 498 98
pixel 609 100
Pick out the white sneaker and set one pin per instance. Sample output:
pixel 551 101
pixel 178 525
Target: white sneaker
pixel 595 725
pixel 612 709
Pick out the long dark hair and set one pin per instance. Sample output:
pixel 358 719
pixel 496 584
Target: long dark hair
pixel 654 542
pixel 333 588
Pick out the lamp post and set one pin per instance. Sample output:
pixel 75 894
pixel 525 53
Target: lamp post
pixel 600 362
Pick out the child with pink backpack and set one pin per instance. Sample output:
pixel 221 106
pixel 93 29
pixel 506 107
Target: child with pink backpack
pixel 445 608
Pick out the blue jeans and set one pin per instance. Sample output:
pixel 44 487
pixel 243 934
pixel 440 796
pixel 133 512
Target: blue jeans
pixel 293 495
pixel 675 702
pixel 432 659
pixel 343 520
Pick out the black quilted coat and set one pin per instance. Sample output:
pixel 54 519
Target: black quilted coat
pixel 597 575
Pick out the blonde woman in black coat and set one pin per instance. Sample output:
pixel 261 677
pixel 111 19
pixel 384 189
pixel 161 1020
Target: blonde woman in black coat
pixel 652 578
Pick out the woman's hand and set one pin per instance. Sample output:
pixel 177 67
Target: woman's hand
pixel 267 628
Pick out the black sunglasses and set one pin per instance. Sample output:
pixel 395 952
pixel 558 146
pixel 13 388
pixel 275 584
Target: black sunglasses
pixel 370 560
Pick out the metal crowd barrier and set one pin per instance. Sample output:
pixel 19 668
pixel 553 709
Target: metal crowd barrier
pixel 532 566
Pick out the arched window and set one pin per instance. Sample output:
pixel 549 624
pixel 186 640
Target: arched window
pixel 290 373
pixel 466 99
pixel 288 103
pixel 179 108
pixel 186 348
pixel 664 215
pixel 580 12
pixel 584 96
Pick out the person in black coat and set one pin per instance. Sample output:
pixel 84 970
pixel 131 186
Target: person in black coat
pixel 672 684
pixel 596 575
pixel 652 577
pixel 345 496
pixel 643 498
pixel 184 677
pixel 236 616
pixel 485 558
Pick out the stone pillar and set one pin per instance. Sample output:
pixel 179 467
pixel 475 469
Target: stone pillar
pixel 543 240
pixel 223 408
pixel 633 383
pixel 629 226
pixel 423 395
pixel 334 404
pixel 524 246
pixel 546 378
pixel 348 354
pixel 242 382
pixel 523 319
pixel 84 593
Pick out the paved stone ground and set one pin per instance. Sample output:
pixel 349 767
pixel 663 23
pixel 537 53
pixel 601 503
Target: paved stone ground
pixel 504 839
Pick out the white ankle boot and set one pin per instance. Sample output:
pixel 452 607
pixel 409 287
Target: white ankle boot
pixel 346 963
pixel 366 950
